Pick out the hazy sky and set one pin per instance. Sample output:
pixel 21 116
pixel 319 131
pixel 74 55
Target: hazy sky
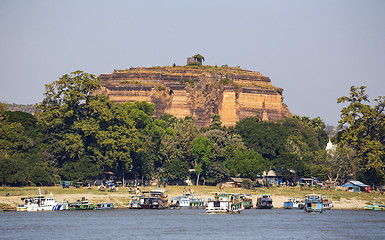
pixel 314 50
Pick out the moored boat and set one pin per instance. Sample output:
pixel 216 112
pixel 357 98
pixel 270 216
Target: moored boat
pixel 265 202
pixel 327 203
pixel 60 206
pixel 38 203
pixel 83 204
pixel 134 202
pixel 313 203
pixel 155 199
pixel 104 206
pixel 289 204
pixel 293 202
pixel 21 208
pixel 375 207
pixel 188 201
pixel 225 203
pixel 247 200
pixel 196 201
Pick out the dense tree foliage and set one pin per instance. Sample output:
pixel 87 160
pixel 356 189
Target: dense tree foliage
pixel 364 130
pixel 289 144
pixel 78 135
pixel 336 165
pixel 23 158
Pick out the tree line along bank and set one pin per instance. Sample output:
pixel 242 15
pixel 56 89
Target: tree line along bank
pixel 79 136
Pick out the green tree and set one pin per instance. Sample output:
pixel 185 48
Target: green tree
pixel 364 130
pixel 177 142
pixel 245 163
pixel 3 108
pixel 216 122
pixel 13 170
pixel 22 155
pixel 25 119
pixel 202 151
pixel 336 165
pixel 176 170
pixel 318 126
pixel 216 172
pixel 287 144
pixel 89 133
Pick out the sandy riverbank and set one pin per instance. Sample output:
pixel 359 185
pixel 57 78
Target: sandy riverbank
pixel 341 199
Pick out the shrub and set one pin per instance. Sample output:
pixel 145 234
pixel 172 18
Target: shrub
pixel 189 81
pixel 225 81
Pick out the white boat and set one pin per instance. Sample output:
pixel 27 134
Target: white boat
pixel 21 208
pixel 60 206
pixel 225 203
pixel 188 201
pixel 104 206
pixel 134 202
pixel 41 203
pixel 294 203
pixel 328 204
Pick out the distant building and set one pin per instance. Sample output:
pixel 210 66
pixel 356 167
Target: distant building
pixel 235 182
pixel 271 177
pixel 193 60
pixel 356 186
pixel 307 181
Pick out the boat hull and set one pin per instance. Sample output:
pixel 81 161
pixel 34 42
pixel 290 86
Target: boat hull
pixel 21 208
pixel 223 211
pixel 375 207
pixel 104 206
pixel 81 205
pixel 225 203
pixel 156 199
pixel 144 206
pixel 264 202
pixel 314 207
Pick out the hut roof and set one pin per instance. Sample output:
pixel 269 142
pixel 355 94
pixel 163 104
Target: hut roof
pixel 237 180
pixel 306 179
pixel 354 183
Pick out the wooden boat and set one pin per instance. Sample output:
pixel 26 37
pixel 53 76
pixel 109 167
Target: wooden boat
pixel 83 204
pixel 313 203
pixel 327 203
pixel 293 203
pixel 378 207
pixel 197 202
pixel 225 203
pixel 21 208
pixel 104 206
pixel 188 201
pixel 155 199
pixel 289 204
pixel 375 207
pixel 134 202
pixel 247 201
pixel 265 202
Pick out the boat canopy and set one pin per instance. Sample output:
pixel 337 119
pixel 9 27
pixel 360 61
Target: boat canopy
pixel 157 191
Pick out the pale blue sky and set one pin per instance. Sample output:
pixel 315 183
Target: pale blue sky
pixel 314 50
